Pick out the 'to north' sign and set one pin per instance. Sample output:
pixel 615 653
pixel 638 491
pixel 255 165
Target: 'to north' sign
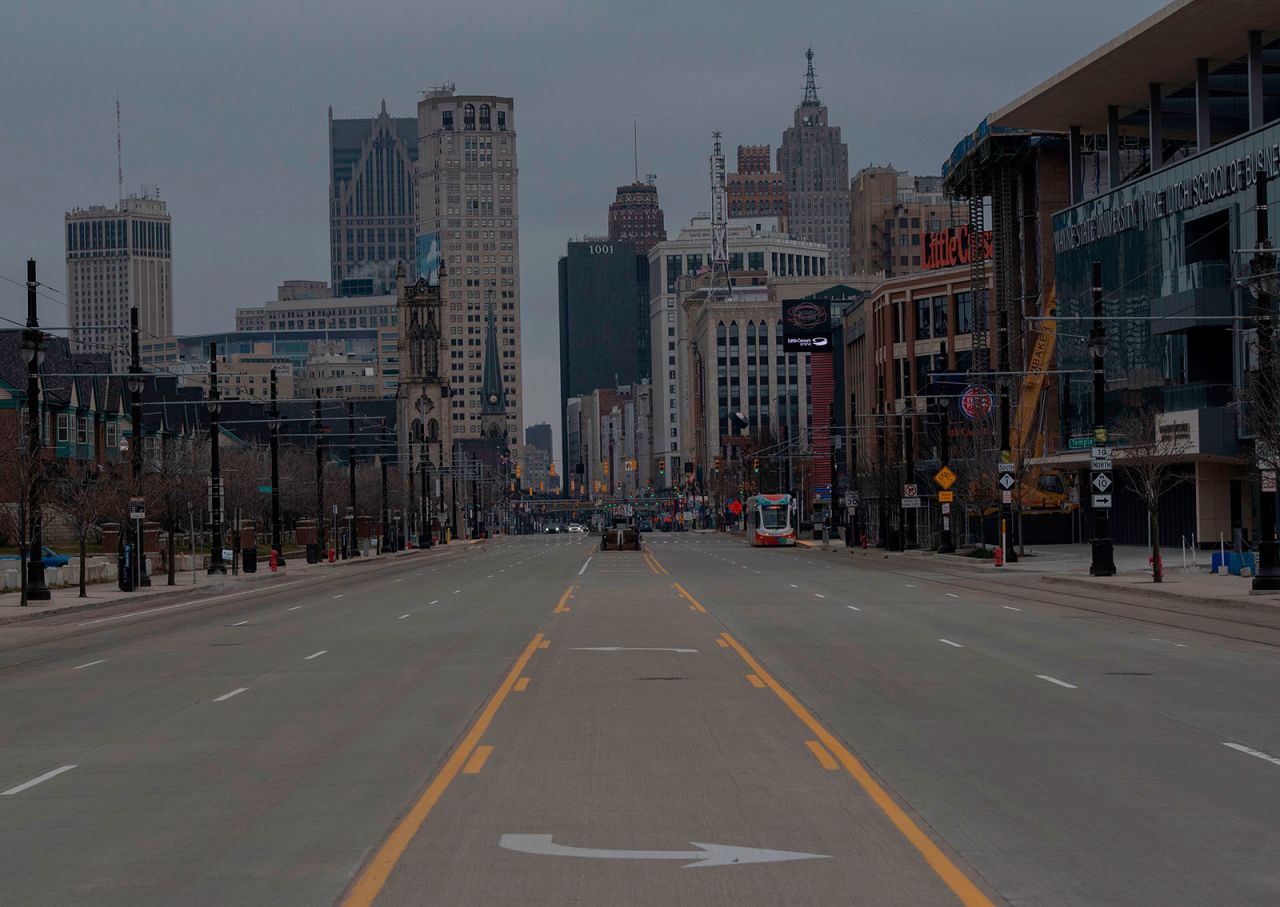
pixel 945 248
pixel 806 325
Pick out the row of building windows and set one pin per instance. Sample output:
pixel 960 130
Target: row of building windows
pixel 469 118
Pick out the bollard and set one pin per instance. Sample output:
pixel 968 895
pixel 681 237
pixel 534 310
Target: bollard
pixel 999 552
pixel 275 559
pixel 331 555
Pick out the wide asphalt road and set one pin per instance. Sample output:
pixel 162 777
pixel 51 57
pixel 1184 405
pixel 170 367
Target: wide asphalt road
pixel 539 722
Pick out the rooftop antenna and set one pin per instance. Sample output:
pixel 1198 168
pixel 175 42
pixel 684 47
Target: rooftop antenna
pixel 119 155
pixel 635 147
pixel 810 83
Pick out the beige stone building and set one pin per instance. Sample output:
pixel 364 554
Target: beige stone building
pixel 889 210
pixel 468 211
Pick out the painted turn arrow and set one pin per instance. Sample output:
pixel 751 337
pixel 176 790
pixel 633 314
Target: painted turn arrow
pixel 705 855
pixel 628 649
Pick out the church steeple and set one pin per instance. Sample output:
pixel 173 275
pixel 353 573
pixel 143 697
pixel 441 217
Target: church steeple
pixel 493 402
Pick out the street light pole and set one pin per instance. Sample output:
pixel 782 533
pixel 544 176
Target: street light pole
pixel 36 588
pixel 216 565
pixel 353 550
pixel 386 523
pixel 321 537
pixel 1267 578
pixel 1103 556
pixel 140 575
pixel 274 420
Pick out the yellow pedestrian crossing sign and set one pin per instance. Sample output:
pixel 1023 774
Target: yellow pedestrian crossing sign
pixel 944 477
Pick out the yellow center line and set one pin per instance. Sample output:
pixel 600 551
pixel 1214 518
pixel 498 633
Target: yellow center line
pixel 755 681
pixel 952 875
pixel 693 602
pixel 656 565
pixel 375 874
pixel 521 685
pixel 561 607
pixel 477 760
pixel 820 753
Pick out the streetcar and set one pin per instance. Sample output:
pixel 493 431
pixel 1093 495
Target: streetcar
pixel 771 520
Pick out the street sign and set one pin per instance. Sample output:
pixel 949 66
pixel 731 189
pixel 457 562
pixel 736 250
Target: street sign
pixel 1007 482
pixel 1004 467
pixel 1102 482
pixel 1102 453
pixel 137 509
pixel 1102 501
pixel 1080 442
pixel 946 509
pixel 911 503
pixel 977 402
pixel 1006 497
pixel 946 497
pixel 944 478
pixel 910 491
pixel 1100 465
pixel 264 489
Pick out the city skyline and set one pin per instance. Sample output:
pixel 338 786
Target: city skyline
pixel 247 179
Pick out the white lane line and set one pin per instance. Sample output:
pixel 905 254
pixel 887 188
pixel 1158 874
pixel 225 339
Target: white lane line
pixel 909 585
pixel 952 595
pixel 88 664
pixel 236 692
pixel 1235 746
pixel 1010 608
pixel 37 780
pixel 793 585
pixel 402 617
pixel 339 595
pixel 1168 642
pixel 853 608
pixel 198 601
pixel 456 591
pixel 295 607
pixel 819 594
pixel 950 643
pixel 490 576
pixel 240 623
pixel 400 581
pixel 1061 683
pixel 315 654
pixel 419 573
pixel 434 601
pixel 584 567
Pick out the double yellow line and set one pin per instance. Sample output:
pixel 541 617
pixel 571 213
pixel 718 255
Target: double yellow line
pixel 656 567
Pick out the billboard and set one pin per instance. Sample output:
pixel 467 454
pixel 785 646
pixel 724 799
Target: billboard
pixel 806 325
pixel 429 257
pixel 950 247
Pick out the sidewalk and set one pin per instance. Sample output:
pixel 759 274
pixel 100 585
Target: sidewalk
pixel 103 595
pixel 1068 565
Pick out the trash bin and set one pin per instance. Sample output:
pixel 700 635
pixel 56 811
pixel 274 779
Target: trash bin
pixel 249 560
pixel 313 553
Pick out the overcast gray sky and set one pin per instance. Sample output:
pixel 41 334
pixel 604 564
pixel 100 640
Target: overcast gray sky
pixel 224 108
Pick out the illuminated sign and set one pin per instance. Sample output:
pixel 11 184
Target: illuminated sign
pixel 806 325
pixel 950 247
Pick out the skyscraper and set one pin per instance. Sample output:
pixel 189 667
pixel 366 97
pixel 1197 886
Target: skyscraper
pixel 539 436
pixel 635 216
pixel 756 189
pixel 371 205
pixel 117 259
pixel 815 167
pixel 468 216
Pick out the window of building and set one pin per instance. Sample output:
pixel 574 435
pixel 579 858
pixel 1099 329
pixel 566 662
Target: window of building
pixel 923 318
pixel 940 316
pixel 964 312
pixel 82 430
pixel 64 428
pixel 502 121
pixel 469 117
pixel 484 118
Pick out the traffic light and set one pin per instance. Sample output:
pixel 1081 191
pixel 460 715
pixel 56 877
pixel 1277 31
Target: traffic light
pixel 662 467
pixel 755 466
pixel 716 465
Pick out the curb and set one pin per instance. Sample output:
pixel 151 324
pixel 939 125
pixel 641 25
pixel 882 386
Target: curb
pixel 1163 593
pixel 179 591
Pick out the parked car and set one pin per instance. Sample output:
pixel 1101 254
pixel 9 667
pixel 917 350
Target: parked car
pixel 550 528
pixel 51 558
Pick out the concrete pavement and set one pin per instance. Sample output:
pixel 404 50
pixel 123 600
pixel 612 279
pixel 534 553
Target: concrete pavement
pixel 904 734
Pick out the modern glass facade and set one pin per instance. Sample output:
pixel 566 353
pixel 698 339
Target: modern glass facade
pixel 1169 245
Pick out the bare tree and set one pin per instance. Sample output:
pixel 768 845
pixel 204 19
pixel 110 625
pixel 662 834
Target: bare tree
pixel 87 493
pixel 174 484
pixel 1148 465
pixel 21 472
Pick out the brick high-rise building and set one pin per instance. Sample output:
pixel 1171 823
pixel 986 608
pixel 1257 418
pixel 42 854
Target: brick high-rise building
pixel 815 167
pixel 118 259
pixel 756 189
pixel 468 215
pixel 371 205
pixel 635 216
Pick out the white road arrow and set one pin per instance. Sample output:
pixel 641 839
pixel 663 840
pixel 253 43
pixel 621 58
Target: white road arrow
pixel 705 855
pixel 628 649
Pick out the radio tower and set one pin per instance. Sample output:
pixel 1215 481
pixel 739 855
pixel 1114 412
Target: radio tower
pixel 721 285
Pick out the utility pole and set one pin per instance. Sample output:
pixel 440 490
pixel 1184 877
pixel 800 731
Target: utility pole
pixel 855 489
pixel 946 541
pixel 140 576
pixel 1006 453
pixel 453 482
pixel 386 522
pixel 909 453
pixel 1267 578
pixel 1103 556
pixel 353 550
pixel 424 540
pixel 274 422
pixel 321 536
pixel 216 566
pixel 35 587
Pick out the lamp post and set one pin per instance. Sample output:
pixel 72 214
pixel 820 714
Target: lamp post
pixel 273 422
pixel 1261 287
pixel 1103 556
pixel 140 575
pixel 36 588
pixel 386 519
pixel 424 465
pixel 353 550
pixel 321 538
pixel 216 565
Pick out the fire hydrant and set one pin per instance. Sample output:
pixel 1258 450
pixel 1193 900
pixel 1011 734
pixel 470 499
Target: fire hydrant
pixel 999 557
pixel 275 560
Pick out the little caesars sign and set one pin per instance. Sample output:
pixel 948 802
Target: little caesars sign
pixel 1130 211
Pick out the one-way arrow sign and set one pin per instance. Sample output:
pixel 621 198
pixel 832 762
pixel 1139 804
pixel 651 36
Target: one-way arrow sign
pixel 705 855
